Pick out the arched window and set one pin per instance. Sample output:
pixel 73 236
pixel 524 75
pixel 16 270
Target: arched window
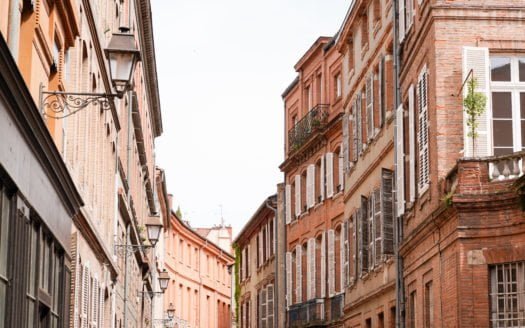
pixel 303 191
pixel 338 258
pixel 319 186
pixel 320 267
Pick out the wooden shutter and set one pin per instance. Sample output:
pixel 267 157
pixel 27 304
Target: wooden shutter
pixel 369 91
pixel 341 173
pixel 377 226
pixel 248 260
pixel 263 307
pixel 322 173
pixel 243 310
pixel 477 60
pixel 387 212
pixel 297 195
pixel 412 143
pixel 85 297
pixel 359 125
pixel 269 305
pixel 331 263
pixel 400 162
pixel 346 141
pixel 299 274
pixel 424 161
pixel 381 99
pixel 345 256
pixel 261 248
pixel 354 132
pixel 289 278
pixel 311 269
pixel 329 175
pixel 288 204
pixel 371 230
pixel 102 307
pixel 310 185
pixel 401 29
pixel 323 265
pixel 353 245
pixel 363 237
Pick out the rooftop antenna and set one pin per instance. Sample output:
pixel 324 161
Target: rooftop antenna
pixel 222 218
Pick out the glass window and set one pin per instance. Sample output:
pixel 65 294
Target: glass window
pixel 507 294
pixel 4 235
pixel 500 69
pixel 521 67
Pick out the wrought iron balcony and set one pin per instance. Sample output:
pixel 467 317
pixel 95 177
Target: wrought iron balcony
pixel 309 313
pixel 313 121
pixel 337 303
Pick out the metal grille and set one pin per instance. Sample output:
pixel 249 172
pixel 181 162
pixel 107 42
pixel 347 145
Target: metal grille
pixel 507 295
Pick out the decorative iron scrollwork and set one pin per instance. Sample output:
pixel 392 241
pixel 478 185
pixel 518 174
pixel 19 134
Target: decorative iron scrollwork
pixel 128 250
pixel 59 104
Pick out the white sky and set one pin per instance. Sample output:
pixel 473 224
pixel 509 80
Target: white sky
pixel 222 67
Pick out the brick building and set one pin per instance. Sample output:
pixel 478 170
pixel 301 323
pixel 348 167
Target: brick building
pixel 257 276
pixel 200 285
pixel 107 149
pixel 314 187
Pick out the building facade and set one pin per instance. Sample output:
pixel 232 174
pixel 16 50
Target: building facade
pixel 365 41
pixel 107 147
pixel 200 273
pixel 314 187
pixel 220 234
pixel 256 244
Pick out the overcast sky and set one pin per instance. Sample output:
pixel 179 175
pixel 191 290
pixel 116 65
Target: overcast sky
pixel 222 67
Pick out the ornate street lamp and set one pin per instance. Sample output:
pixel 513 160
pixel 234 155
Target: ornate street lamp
pixel 164 279
pixel 153 226
pixel 122 55
pixel 171 311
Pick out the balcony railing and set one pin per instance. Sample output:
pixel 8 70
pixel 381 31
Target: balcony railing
pixel 314 120
pixel 336 306
pixel 506 167
pixel 309 313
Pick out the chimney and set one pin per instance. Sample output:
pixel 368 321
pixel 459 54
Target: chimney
pixel 170 201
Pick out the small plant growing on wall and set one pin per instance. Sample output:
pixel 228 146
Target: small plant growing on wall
pixel 474 104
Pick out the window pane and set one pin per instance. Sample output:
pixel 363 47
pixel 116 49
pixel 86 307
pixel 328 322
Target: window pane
pixel 4 229
pixel 522 104
pixel 521 62
pixel 500 69
pixel 501 105
pixel 503 133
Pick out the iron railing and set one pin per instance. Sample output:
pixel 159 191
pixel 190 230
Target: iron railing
pixel 315 119
pixel 307 313
pixel 336 306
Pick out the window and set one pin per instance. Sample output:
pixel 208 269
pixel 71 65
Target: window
pixel 364 32
pixel 377 12
pixel 5 210
pixel 351 54
pixel 429 305
pixel 508 104
pixel 507 295
pixel 338 86
pixel 412 310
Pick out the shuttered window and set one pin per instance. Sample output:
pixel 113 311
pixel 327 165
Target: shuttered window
pixel 387 212
pixel 289 276
pixel 354 153
pixel 400 161
pixel 85 298
pixel 269 306
pixel 311 267
pixel 331 263
pixel 371 231
pixel 323 265
pixel 363 236
pixel 424 161
pixel 369 92
pixel 353 248
pixel 322 176
pixel 412 142
pixel 401 26
pixel 382 92
pixel 299 274
pixel 359 125
pixel 378 222
pixel 329 174
pixel 345 265
pixel 263 300
pixel 297 195
pixel 341 186
pixel 288 203
pixel 310 186
pixel 346 141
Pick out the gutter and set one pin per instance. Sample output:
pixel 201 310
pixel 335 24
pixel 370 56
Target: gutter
pixel 276 262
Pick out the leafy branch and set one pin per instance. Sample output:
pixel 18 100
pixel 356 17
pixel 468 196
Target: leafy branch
pixel 474 104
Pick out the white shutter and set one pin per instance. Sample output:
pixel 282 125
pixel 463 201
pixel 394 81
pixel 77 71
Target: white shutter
pixel 85 297
pixel 243 262
pixel 310 185
pixel 341 174
pixel 331 263
pixel 288 204
pixel 263 307
pixel 299 274
pixel 346 141
pixel 248 261
pixel 401 29
pixel 260 248
pixel 424 160
pixel 312 264
pixel 412 142
pixel 477 59
pixel 269 306
pixel 322 179
pixel 400 162
pixel 329 175
pixel 289 278
pixel 369 93
pixel 308 270
pixel 345 256
pixel 323 265
pixel 101 309
pixel 297 195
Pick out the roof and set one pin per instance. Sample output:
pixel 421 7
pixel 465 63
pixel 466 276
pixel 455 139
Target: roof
pixel 256 217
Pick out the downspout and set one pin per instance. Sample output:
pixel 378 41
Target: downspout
pixel 398 235
pixel 115 224
pixel 13 38
pixel 276 259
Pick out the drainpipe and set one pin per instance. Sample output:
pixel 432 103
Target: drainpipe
pixel 13 33
pixel 276 259
pixel 398 234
